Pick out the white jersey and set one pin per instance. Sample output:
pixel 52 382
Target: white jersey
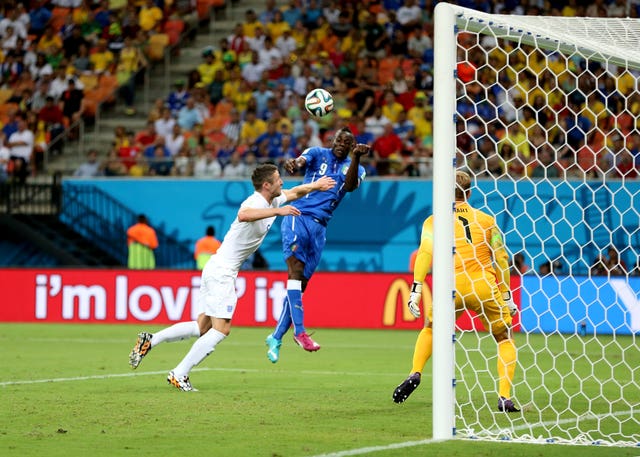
pixel 244 238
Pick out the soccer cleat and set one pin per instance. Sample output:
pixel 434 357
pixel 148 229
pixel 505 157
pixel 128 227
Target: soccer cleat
pixel 141 348
pixel 405 389
pixel 305 342
pixel 273 353
pixel 181 383
pixel 506 405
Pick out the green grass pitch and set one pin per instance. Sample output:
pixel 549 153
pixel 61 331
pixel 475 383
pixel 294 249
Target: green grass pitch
pixel 67 390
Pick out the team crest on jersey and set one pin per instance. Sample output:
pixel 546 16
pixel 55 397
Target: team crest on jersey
pixel 344 169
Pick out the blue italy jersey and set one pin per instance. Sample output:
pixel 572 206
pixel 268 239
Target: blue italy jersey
pixel 322 162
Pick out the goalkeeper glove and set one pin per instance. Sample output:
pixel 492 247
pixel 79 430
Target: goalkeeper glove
pixel 414 298
pixel 513 309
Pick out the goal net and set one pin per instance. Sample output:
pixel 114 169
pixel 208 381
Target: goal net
pixel 543 112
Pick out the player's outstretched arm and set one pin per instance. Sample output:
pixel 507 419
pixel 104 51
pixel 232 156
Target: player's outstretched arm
pixel 291 165
pixel 255 214
pixel 352 180
pixel 322 184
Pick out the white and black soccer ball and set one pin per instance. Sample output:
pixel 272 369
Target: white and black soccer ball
pixel 318 102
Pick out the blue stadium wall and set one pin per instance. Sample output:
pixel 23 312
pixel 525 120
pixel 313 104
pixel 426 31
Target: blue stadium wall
pixel 378 226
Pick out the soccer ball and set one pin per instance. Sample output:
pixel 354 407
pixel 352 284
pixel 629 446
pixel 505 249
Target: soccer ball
pixel 318 102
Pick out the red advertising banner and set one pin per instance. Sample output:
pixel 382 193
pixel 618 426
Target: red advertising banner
pixel 332 300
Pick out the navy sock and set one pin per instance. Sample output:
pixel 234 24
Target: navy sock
pixel 284 322
pixel 294 294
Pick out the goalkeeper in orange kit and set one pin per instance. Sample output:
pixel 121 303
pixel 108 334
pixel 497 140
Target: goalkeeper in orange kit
pixel 482 286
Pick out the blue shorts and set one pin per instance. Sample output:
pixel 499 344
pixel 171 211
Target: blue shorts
pixel 303 238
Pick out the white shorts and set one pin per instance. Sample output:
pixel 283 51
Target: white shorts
pixel 217 296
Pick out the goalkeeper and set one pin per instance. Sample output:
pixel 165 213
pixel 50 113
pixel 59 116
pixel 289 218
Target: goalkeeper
pixel 480 287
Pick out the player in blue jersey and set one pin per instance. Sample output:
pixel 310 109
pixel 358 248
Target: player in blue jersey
pixel 303 238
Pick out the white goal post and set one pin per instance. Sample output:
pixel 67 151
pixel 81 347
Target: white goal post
pixel 546 122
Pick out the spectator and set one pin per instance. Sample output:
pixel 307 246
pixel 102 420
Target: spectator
pixel 39 17
pixel 189 116
pixel 261 95
pixel 252 128
pixel 237 39
pixel 91 167
pixel 10 41
pixel 250 24
pixel 207 69
pixel 376 123
pixel 375 37
pixel 58 84
pixel 205 247
pixel 256 42
pixel 140 166
pixel 160 164
pixel 182 163
pixel 409 15
pixel 206 165
pixel 72 102
pixel 519 266
pixel 102 59
pixel 233 128
pixel 286 44
pixel 81 62
pixel 420 41
pixel 405 129
pixel 175 140
pixel 391 108
pixel 269 144
pixel 20 144
pixel 545 269
pixel 545 166
pixel 150 152
pixel 252 71
pixel 149 16
pixel 599 266
pixel 614 264
pixel 292 14
pixel 112 166
pixel 236 167
pixel 164 126
pixel 41 69
pixel 148 135
pixel 387 149
pixel 131 62
pixel 216 88
pixel 177 98
pixel 141 241
pixel 53 119
pixel 5 157
pixel 12 20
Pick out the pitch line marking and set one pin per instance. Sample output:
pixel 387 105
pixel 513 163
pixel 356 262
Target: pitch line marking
pixel 150 373
pixel 371 449
pixel 114 375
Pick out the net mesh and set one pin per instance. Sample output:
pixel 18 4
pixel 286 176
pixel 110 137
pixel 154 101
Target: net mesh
pixel 548 126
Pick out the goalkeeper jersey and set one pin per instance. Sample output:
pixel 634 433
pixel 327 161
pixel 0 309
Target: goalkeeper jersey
pixel 472 234
pixel 477 240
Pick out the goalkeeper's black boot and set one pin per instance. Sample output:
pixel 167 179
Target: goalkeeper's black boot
pixel 403 391
pixel 506 405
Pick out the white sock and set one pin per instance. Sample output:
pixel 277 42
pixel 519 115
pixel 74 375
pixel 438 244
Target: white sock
pixel 200 349
pixel 177 332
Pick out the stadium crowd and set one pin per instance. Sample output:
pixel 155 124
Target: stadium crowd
pixel 242 104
